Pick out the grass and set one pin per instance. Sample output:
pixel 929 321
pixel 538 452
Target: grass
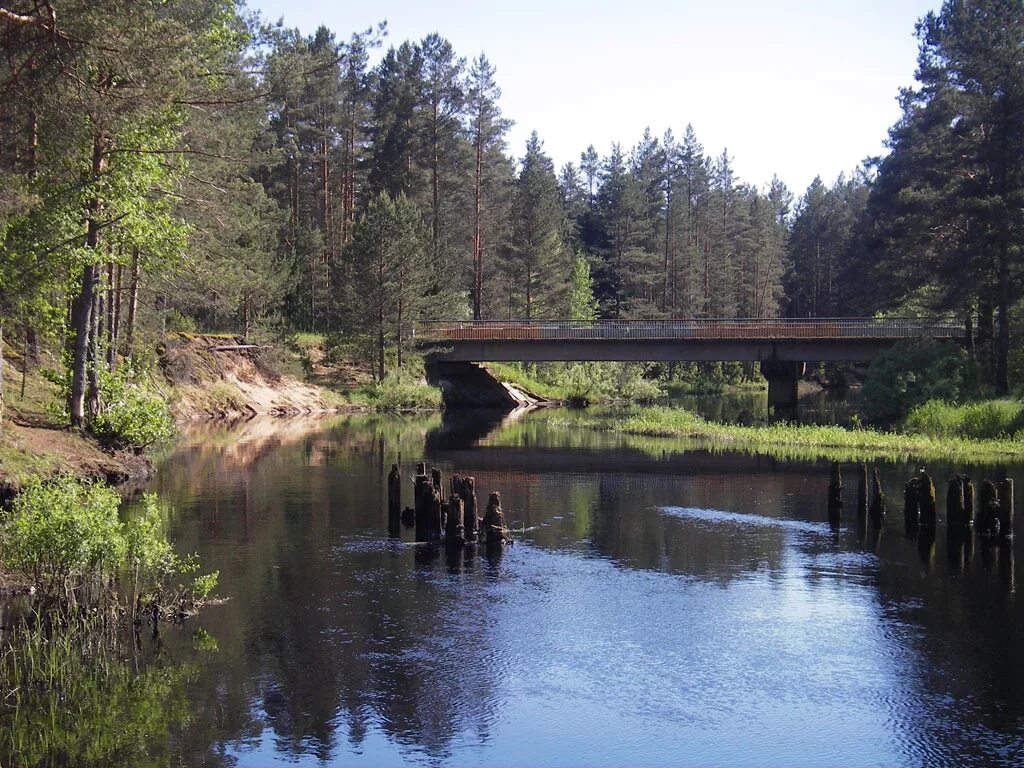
pixel 518 377
pixel 18 464
pixel 398 392
pixel 821 440
pixel 989 419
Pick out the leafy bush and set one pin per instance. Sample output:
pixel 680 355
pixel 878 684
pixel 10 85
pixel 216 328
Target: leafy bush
pixel 69 539
pixel 400 391
pixel 629 384
pixel 63 534
pixel 132 415
pixel 987 419
pixel 910 374
pixel 176 322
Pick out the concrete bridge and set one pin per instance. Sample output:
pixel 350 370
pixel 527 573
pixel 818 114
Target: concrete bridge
pixel 781 346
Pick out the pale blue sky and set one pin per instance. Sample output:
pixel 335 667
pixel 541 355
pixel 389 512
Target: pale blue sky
pixel 794 88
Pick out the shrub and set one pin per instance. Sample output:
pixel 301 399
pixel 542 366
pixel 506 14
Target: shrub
pixel 69 539
pixel 910 374
pixel 401 392
pixel 132 415
pixel 64 534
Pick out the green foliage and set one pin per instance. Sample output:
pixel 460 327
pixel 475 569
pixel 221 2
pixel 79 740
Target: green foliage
pixel 823 440
pixel 133 415
pixel 401 391
pixel 68 538
pixel 987 419
pixel 909 374
pixel 65 535
pixel 582 383
pixel 582 304
pixel 389 281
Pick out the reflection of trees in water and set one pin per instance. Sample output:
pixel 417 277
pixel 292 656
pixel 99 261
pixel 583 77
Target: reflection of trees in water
pixel 332 632
pixel 954 609
pixel 327 625
pixel 84 696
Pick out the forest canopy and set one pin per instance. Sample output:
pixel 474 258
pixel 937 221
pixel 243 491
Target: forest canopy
pixel 168 164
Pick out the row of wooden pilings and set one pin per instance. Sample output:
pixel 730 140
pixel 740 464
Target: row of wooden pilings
pixel 989 513
pixel 450 517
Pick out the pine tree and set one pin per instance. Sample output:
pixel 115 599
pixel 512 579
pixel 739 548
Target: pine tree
pixel 954 181
pixel 491 177
pixel 390 275
pixel 539 263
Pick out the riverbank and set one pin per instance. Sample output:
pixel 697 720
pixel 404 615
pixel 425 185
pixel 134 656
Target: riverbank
pixel 658 421
pixel 202 377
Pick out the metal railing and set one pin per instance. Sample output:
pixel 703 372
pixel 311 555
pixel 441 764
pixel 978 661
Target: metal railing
pixel 696 329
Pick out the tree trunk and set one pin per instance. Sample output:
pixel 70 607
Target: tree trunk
pixel 82 313
pixel 1003 299
pixel 95 334
pixel 133 306
pixel 477 243
pixel 111 315
pixel 82 325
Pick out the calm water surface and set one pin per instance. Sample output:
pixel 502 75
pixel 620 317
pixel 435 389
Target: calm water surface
pixel 660 606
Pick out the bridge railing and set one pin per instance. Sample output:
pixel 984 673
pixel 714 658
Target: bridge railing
pixel 710 329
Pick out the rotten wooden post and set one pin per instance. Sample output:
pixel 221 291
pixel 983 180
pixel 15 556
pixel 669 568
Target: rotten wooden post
pixel 471 520
pixel 835 493
pixel 421 502
pixel 454 533
pixel 394 494
pixel 494 521
pixel 926 499
pixel 911 506
pixel 1006 507
pixel 877 497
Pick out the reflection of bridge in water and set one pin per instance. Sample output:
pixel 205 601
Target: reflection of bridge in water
pixel 781 346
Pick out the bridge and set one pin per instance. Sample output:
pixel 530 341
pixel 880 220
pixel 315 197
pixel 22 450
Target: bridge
pixel 781 346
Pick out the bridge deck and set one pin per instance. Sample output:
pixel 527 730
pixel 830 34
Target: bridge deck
pixel 821 329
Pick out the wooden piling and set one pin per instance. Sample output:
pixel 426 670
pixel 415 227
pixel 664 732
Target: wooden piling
pixel 471 520
pixel 394 494
pixel 423 501
pixel 926 499
pixel 911 505
pixel 1006 507
pixel 454 532
pixel 494 521
pixel 877 497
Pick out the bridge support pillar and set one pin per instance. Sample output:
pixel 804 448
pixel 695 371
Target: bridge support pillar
pixel 783 377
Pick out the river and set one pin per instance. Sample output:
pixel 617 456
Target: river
pixel 663 604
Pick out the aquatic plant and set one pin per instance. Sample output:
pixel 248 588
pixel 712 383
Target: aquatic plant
pixel 831 441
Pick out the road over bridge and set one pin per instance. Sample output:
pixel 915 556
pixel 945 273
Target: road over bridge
pixel 781 346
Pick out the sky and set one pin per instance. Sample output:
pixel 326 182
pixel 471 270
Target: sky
pixel 797 89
